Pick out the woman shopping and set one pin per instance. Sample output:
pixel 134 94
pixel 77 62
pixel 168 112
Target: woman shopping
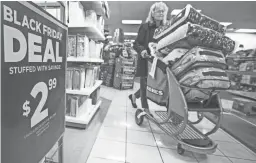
pixel 157 16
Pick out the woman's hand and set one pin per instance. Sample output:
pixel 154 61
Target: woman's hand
pixel 144 54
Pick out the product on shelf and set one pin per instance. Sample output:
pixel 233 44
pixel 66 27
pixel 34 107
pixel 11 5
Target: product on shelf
pixel 189 14
pixel 124 73
pixel 74 104
pixel 82 77
pixel 71 46
pixel 91 17
pixel 245 106
pixel 190 35
pixel 69 78
pixel 243 60
pixel 95 96
pixel 80 46
pixel 118 36
pixel 77 78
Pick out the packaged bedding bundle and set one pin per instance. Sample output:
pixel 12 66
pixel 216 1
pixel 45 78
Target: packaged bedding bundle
pixel 195 46
pixel 190 35
pixel 189 14
pixel 206 79
pixel 198 57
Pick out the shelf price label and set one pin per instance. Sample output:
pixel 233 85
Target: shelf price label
pixel 39 115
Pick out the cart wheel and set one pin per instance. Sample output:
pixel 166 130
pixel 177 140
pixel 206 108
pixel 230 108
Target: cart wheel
pixel 138 121
pixel 180 150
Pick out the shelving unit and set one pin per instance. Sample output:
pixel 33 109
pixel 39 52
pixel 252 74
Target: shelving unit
pixel 85 91
pixel 90 31
pixel 79 26
pixel 86 60
pixel 84 119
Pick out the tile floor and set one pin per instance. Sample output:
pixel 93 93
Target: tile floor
pixel 120 140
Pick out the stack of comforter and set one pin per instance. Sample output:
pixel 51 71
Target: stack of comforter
pixel 196 48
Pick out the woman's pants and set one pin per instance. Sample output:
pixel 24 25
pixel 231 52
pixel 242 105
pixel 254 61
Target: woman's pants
pixel 142 92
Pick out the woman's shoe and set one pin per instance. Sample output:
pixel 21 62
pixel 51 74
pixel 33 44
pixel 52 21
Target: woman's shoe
pixel 133 101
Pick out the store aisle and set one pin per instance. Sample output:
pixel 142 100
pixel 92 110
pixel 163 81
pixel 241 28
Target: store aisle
pixel 120 140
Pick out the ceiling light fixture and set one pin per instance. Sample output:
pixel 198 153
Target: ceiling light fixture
pixel 131 21
pixel 246 31
pixel 177 11
pixel 130 34
pixel 226 23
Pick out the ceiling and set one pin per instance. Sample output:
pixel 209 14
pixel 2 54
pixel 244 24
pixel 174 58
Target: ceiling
pixel 241 13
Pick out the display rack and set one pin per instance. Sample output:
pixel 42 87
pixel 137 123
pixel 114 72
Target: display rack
pixel 80 27
pixel 241 96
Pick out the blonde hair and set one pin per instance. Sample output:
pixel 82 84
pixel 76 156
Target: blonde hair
pixel 153 8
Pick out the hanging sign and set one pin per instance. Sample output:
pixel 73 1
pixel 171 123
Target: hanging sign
pixel 33 64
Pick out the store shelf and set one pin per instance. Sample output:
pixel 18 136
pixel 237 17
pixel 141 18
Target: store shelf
pixel 83 120
pixel 85 91
pixel 249 95
pixel 94 5
pixel 241 72
pixel 90 31
pixel 92 60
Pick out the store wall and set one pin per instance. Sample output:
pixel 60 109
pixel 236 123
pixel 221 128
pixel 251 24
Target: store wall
pixel 248 40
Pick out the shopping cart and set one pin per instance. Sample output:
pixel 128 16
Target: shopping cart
pixel 175 122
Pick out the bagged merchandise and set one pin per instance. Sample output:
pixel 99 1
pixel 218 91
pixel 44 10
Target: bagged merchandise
pixel 199 57
pixel 71 46
pixel 189 14
pixel 194 95
pixel 174 55
pixel 206 78
pixel 157 87
pixel 190 35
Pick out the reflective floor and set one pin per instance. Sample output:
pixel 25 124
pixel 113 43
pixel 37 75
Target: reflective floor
pixel 120 140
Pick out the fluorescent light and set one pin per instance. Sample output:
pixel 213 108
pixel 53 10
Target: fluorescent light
pixel 130 33
pixel 131 21
pixel 129 40
pixel 177 11
pixel 246 31
pixel 225 23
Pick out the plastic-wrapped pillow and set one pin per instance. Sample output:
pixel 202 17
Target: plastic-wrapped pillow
pixel 189 14
pixel 209 78
pixel 174 55
pixel 190 35
pixel 199 57
pixel 194 95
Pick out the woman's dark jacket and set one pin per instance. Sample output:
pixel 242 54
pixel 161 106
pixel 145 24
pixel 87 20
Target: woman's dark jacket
pixel 145 36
